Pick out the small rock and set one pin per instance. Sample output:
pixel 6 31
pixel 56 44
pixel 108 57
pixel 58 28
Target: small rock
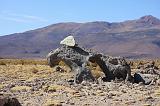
pixel 94 85
pixel 77 95
pixel 149 97
pixel 146 104
pixel 99 91
pixel 72 103
pixel 86 104
pixel 59 69
pixel 123 91
pixel 70 82
pixel 158 82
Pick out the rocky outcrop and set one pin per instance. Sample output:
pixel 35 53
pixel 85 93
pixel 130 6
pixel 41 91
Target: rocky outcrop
pixel 77 59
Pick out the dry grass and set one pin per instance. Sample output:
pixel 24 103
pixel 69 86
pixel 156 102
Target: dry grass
pixel 2 86
pixel 54 88
pixel 95 70
pixel 157 92
pixel 29 69
pixel 135 63
pixel 20 88
pixel 24 69
pixel 64 66
pixel 52 102
pixel 23 62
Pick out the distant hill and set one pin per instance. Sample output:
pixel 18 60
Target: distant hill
pixel 133 38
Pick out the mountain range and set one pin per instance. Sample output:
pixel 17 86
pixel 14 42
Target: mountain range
pixel 139 38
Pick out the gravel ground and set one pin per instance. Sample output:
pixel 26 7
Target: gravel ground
pixel 39 85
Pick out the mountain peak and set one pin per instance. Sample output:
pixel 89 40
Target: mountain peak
pixel 149 19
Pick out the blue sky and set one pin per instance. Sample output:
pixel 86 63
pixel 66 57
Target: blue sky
pixel 23 15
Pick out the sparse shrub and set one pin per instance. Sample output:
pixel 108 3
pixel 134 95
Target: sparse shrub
pixel 95 69
pixel 52 103
pixel 97 72
pixel 53 88
pixel 2 86
pixel 2 63
pixel 23 61
pixel 157 92
pixel 61 63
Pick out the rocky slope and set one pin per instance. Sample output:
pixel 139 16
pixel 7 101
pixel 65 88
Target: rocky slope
pixel 134 38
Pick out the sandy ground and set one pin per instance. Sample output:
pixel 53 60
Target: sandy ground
pixel 40 85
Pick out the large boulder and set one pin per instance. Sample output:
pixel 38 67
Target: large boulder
pixel 77 59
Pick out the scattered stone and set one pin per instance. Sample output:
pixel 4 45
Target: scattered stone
pixel 72 103
pixel 123 91
pixel 114 93
pixel 59 69
pixel 145 78
pixel 158 82
pixel 94 85
pixel 148 74
pixel 148 98
pixel 86 104
pixel 77 95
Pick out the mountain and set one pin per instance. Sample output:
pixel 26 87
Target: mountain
pixel 133 38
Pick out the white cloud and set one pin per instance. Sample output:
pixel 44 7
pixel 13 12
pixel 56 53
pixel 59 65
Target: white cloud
pixel 21 17
pixel 15 19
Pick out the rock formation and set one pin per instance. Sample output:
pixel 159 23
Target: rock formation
pixel 77 59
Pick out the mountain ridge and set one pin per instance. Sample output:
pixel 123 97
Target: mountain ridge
pixel 132 38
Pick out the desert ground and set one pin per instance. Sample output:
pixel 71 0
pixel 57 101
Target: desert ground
pixel 34 83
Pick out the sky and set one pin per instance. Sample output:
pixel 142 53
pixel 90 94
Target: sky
pixel 23 15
